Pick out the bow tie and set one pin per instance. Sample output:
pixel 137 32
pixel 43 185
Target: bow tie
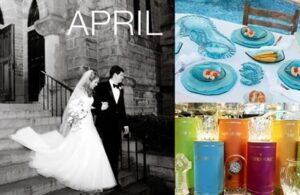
pixel 117 86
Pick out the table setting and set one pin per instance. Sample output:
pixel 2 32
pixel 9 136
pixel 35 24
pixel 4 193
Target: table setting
pixel 220 61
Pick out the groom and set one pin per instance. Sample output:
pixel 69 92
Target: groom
pixel 110 115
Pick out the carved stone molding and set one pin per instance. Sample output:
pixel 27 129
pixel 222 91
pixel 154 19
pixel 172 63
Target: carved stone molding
pixel 50 25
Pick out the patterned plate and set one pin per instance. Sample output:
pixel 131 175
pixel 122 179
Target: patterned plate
pixel 203 32
pixel 193 84
pixel 238 38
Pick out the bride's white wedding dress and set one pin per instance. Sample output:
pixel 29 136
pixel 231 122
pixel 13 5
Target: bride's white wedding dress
pixel 78 160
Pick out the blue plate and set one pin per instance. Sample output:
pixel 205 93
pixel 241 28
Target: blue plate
pixel 203 32
pixel 193 84
pixel 238 38
pixel 291 81
pixel 259 32
pixel 280 55
pixel 198 72
pixel 288 68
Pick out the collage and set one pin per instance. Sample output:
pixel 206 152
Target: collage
pixel 237 115
pixel 149 97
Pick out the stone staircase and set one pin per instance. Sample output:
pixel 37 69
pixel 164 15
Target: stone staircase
pixel 16 177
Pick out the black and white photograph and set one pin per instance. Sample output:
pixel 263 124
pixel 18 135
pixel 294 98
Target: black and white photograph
pixel 87 97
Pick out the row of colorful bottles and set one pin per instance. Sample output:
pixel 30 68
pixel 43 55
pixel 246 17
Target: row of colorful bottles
pixel 243 154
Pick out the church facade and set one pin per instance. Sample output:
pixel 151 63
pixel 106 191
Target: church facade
pixel 33 38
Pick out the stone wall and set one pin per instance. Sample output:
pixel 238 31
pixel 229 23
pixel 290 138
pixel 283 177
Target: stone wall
pixel 166 18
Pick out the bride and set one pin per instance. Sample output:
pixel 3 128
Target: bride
pixel 75 156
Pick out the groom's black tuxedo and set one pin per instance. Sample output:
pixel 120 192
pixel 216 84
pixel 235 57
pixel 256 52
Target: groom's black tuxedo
pixel 110 123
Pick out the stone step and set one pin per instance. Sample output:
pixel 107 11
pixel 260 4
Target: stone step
pixel 9 114
pixel 20 107
pixel 5 132
pixel 165 173
pixel 8 144
pixel 9 157
pixel 126 178
pixel 33 186
pixel 133 189
pixel 16 172
pixel 127 181
pixel 23 122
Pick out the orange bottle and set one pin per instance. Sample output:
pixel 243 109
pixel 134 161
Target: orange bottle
pixel 234 133
pixel 285 133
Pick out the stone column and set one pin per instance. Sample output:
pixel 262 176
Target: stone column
pixel 52 28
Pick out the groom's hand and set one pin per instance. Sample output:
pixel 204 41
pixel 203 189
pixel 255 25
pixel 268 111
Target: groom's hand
pixel 126 130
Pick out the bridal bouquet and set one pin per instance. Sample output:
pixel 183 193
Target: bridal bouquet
pixel 78 109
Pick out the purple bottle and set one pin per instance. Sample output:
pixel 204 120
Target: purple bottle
pixel 261 167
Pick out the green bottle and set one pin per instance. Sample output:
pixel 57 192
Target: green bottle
pixel 185 134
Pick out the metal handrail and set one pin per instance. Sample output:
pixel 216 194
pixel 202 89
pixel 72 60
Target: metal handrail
pixel 63 85
pixel 55 94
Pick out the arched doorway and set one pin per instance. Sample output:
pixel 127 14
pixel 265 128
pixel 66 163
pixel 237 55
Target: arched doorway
pixel 36 55
pixel 1 17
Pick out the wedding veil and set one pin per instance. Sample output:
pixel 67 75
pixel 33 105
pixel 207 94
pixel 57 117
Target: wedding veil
pixel 78 92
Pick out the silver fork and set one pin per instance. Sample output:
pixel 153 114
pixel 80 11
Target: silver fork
pixel 184 65
pixel 279 38
pixel 285 87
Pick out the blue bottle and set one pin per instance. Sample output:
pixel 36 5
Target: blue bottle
pixel 209 167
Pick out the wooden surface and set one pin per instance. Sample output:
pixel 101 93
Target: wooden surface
pixel 291 20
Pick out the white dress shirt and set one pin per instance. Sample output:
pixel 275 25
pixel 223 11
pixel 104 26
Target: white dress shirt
pixel 115 90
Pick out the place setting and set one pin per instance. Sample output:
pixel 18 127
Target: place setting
pixel 289 74
pixel 209 78
pixel 252 36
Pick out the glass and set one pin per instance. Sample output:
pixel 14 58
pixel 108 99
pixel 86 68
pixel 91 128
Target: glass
pixel 182 165
pixel 232 110
pixel 290 177
pixel 260 129
pixel 202 31
pixel 208 131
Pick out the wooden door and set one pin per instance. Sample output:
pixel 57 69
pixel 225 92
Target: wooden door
pixel 36 64
pixel 7 64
